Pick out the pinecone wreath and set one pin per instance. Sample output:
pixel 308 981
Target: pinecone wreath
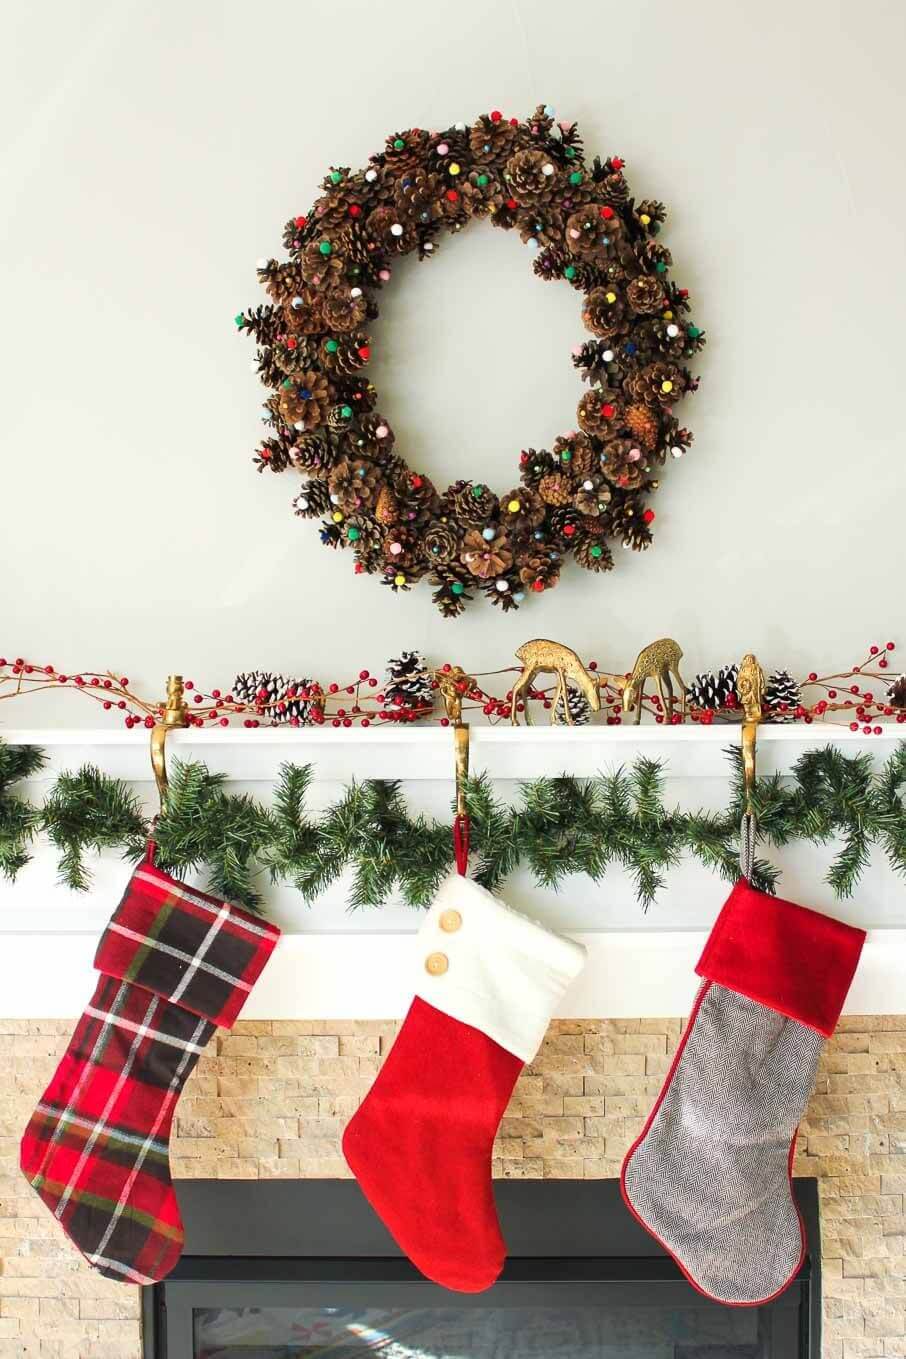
pixel 577 705
pixel 313 339
pixel 409 686
pixel 282 700
pixel 782 696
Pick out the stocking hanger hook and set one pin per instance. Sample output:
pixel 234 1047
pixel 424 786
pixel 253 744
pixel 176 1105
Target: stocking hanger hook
pixel 175 714
pixel 454 684
pixel 750 685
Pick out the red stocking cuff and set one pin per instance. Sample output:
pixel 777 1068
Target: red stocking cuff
pixel 195 950
pixel 794 960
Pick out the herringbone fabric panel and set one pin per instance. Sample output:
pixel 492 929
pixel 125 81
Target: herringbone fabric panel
pixel 709 1176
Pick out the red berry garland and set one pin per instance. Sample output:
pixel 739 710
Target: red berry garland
pixel 583 228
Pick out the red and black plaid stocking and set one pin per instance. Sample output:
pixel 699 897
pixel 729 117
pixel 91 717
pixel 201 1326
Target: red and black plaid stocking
pixel 174 963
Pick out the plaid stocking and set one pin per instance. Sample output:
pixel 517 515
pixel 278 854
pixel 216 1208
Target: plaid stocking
pixel 174 964
pixel 709 1177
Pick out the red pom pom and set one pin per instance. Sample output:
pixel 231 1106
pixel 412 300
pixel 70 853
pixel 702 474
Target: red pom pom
pixel 300 221
pixel 617 162
pixel 607 410
pixel 607 213
pixel 649 516
pixel 355 210
pixel 512 204
pixel 568 530
pixel 496 116
pixel 364 352
pixel 452 195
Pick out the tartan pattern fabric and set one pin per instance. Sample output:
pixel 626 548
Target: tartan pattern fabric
pixel 174 964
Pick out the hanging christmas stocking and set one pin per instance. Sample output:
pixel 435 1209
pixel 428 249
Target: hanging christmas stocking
pixel 709 1177
pixel 488 981
pixel 174 964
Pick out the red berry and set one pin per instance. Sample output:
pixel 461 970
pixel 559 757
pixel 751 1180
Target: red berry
pixel 149 721
pixel 854 726
pixel 873 651
pixel 832 693
pixel 363 674
pixel 333 688
pixel 592 665
pixel 445 721
pixel 891 646
pixel 813 675
pixel 877 731
pixel 224 721
pixel 882 663
pixel 189 684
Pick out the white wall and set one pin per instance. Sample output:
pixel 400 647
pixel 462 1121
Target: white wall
pixel 151 154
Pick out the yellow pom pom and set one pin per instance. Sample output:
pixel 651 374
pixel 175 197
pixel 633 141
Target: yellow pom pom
pixel 454 168
pixel 611 297
pixel 668 315
pixel 337 517
pixel 399 579
pixel 644 219
pixel 513 506
pixel 667 386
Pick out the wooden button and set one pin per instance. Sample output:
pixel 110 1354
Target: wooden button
pixel 437 964
pixel 450 921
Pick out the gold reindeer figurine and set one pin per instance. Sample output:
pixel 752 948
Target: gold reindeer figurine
pixel 540 657
pixel 658 661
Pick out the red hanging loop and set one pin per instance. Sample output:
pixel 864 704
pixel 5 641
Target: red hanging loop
pixel 150 849
pixel 461 844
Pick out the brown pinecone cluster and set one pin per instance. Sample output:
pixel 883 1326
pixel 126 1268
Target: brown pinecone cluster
pixel 313 339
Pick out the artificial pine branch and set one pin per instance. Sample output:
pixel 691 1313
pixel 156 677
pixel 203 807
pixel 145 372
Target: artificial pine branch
pixel 90 811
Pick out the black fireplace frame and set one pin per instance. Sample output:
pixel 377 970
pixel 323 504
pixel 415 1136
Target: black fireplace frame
pixel 568 1240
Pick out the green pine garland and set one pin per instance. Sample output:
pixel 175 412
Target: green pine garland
pixel 558 826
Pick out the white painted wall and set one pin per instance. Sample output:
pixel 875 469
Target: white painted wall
pixel 151 153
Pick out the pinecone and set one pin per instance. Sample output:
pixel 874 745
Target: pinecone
pixel 401 547
pixel 521 511
pixel 417 496
pixel 322 263
pixel 604 312
pixel 535 464
pixel 657 384
pixel 418 198
pixel 480 189
pixel 645 294
pixel 650 213
pixel 531 177
pixel 282 281
pixel 782 696
pixel 472 503
pixel 593 554
pixel 593 497
pixel 441 541
pixel 623 464
pixel 486 557
pixel 577 705
pixel 292 355
pixel 408 683
pixel 373 438
pixel 313 500
pixel 632 528
pixel 713 692
pixel 540 571
pixel 344 309
pixel 304 312
pixel 555 489
pixel 388 234
pixel 403 150
pixel 345 355
pixel 313 454
pixel 492 138
pixel 354 485
pixel 575 453
pixel 599 412
pixel 303 400
pixel 365 536
pixel 541 224
pixel 452 593
pixel 592 233
pixel 644 423
pixel 896 694
pixel 277 695
pixel 386 506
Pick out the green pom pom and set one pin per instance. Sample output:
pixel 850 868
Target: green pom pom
pixel 477 490
pixel 287 382
pixel 457 588
pixel 335 176
pixel 566 455
pixel 398 143
pixel 570 152
pixel 332 346
pixel 693 332
pixel 346 412
pixel 481 181
pixel 354 534
pixel 240 320
pixel 661 267
pixel 576 177
pixel 569 271
pixel 325 247
pixel 597 551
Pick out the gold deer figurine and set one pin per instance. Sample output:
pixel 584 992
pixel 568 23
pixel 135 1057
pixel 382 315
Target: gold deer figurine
pixel 540 657
pixel 658 661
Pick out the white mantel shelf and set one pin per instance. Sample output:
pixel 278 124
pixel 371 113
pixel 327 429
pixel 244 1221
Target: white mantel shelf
pixel 425 753
pixel 330 965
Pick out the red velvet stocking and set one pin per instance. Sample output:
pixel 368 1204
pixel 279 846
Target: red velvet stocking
pixel 420 1145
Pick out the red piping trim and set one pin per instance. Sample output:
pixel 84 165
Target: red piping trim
pixel 712 1297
